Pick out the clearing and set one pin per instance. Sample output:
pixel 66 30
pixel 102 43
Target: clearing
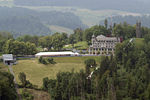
pixel 35 72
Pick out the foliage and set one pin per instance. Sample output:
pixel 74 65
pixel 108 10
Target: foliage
pixel 130 19
pixel 96 30
pixel 124 30
pixel 19 48
pixel 46 60
pixel 4 36
pixel 26 95
pixel 24 82
pixel 7 88
pixel 123 77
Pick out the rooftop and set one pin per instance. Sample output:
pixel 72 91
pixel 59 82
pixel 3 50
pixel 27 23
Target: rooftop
pixel 56 53
pixel 7 57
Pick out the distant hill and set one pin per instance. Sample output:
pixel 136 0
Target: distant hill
pixel 145 20
pixel 21 21
pixel 141 6
pixel 20 25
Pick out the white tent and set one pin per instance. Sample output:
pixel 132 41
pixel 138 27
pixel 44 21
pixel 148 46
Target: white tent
pixel 49 54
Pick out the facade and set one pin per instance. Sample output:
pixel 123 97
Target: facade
pixel 103 45
pixel 8 59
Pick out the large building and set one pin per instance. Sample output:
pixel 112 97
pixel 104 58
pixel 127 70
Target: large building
pixel 103 45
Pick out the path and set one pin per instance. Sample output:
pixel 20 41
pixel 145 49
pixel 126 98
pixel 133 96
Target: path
pixel 16 86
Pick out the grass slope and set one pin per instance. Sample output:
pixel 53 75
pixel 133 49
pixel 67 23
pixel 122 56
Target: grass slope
pixel 55 28
pixel 35 72
pixel 139 42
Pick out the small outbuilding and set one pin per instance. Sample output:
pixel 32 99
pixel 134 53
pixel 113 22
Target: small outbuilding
pixel 8 59
pixel 55 54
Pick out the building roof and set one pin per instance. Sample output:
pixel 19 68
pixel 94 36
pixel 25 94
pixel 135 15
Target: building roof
pixel 55 53
pixel 102 37
pixel 7 57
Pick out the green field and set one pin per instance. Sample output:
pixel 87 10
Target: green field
pixel 78 46
pixel 35 72
pixel 139 42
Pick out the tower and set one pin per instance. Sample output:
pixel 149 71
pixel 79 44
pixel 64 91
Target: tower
pixel 138 29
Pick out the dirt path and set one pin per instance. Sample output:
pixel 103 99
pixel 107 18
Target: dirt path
pixel 16 86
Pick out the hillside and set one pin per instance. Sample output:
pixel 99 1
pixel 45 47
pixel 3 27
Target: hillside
pixel 87 16
pixel 140 6
pixel 21 21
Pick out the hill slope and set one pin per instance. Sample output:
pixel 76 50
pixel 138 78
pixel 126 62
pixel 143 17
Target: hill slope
pixel 141 6
pixel 25 21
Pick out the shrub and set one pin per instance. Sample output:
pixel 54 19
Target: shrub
pixel 46 60
pixel 26 95
pixel 1 60
pixel 24 82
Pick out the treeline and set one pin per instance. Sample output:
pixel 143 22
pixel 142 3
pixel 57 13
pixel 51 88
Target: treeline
pixel 57 41
pixel 129 19
pixel 122 77
pixel 124 30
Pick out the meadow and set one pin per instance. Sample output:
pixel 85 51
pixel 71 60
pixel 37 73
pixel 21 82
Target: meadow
pixel 35 72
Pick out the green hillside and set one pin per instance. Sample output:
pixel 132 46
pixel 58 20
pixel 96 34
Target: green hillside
pixel 35 71
pixel 87 16
pixel 139 42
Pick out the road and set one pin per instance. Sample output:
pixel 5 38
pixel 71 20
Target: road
pixel 16 86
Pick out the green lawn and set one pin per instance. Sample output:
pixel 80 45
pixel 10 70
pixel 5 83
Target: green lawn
pixel 139 42
pixel 78 46
pixel 35 72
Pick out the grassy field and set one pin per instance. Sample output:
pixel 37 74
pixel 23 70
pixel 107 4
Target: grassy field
pixel 78 46
pixel 139 42
pixel 35 72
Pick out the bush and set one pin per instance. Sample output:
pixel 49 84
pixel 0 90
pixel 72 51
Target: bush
pixel 24 83
pixel 26 95
pixel 1 60
pixel 46 60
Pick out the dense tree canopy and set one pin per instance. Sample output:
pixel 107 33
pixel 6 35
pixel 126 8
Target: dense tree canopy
pixel 7 89
pixel 19 48
pixel 122 77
